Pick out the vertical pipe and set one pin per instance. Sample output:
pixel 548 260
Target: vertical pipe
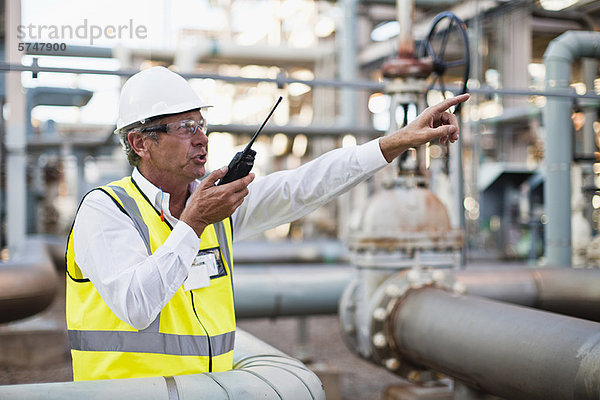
pixel 348 68
pixel 3 163
pixel 516 35
pixel 456 171
pixel 15 135
pixel 301 348
pixel 348 101
pixel 557 197
pixel 590 107
pixel 476 40
pixel 556 116
pixel 406 43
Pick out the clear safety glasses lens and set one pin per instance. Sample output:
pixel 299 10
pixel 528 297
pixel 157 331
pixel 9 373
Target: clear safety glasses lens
pixel 188 128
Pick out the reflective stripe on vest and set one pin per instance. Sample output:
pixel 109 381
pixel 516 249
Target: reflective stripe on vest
pixel 134 213
pixel 151 342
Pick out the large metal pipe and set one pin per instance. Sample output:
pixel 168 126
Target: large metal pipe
pixel 27 282
pixel 288 252
pixel 259 371
pixel 558 58
pixel 357 84
pixel 55 245
pixel 573 292
pixel 284 290
pixel 506 350
pixel 215 50
pixel 280 291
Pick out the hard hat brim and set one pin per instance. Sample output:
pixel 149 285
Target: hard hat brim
pixel 178 109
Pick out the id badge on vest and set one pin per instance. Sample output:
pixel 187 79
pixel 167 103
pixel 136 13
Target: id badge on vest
pixel 207 265
pixel 203 267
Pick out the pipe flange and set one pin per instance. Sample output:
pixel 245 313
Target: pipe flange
pixel 384 301
pixel 347 316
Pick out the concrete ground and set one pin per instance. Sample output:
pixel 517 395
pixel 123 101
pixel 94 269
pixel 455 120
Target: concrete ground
pixel 345 375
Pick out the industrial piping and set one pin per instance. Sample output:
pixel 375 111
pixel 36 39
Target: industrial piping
pixel 420 321
pixel 285 290
pixel 279 291
pixel 506 350
pixel 289 252
pixel 259 371
pixel 27 282
pixel 572 292
pixel 558 58
pixel 187 58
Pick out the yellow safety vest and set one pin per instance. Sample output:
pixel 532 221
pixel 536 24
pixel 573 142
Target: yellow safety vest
pixel 193 333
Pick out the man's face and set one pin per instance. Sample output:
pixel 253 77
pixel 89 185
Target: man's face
pixel 175 156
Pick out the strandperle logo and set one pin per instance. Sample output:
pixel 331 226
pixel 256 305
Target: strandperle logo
pixel 92 32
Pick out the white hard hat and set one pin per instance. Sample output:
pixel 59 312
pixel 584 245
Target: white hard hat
pixel 153 92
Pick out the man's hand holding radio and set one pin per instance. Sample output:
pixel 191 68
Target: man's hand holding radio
pixel 209 203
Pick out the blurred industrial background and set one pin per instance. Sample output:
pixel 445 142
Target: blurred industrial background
pixel 466 271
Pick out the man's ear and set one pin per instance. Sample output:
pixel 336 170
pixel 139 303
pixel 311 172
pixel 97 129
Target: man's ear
pixel 138 143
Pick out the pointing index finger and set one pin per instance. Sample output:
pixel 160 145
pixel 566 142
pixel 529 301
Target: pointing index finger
pixel 446 104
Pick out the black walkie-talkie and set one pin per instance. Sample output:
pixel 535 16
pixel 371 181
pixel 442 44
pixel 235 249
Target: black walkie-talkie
pixel 243 161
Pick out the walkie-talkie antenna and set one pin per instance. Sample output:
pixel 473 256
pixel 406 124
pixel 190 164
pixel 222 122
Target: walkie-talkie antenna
pixel 242 162
pixel 249 145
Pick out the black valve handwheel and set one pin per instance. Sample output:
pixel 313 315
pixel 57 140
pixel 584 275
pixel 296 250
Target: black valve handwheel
pixel 447 26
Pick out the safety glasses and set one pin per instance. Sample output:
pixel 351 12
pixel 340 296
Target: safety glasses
pixel 184 129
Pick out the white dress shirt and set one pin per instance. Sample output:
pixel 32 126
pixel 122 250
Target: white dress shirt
pixel 135 286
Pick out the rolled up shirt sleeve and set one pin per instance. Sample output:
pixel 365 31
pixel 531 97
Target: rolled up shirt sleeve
pixel 112 254
pixel 285 196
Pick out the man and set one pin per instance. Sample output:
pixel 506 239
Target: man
pixel 149 258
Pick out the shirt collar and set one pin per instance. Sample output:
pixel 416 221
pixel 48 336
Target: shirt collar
pixel 154 194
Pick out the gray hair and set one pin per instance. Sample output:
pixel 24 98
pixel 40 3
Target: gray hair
pixel 133 158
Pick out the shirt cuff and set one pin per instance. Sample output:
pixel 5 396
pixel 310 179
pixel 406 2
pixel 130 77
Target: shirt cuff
pixel 184 242
pixel 370 157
